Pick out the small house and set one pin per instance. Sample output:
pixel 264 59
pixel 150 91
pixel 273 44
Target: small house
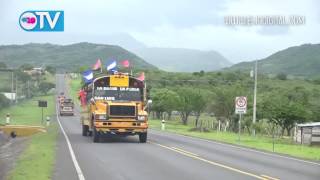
pixel 308 133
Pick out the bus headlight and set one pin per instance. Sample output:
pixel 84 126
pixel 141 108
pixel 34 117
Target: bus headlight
pixel 101 117
pixel 142 118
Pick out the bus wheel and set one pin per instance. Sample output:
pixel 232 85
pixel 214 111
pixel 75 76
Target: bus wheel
pixel 143 137
pixel 95 135
pixel 85 129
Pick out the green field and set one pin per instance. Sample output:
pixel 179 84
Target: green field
pixel 28 112
pixel 37 160
pixel 282 145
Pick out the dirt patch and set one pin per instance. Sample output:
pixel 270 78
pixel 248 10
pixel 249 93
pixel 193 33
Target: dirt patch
pixel 10 149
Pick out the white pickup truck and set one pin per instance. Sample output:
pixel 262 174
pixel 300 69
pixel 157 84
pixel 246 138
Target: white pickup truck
pixel 66 107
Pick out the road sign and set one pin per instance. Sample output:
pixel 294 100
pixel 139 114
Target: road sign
pixel 42 103
pixel 241 105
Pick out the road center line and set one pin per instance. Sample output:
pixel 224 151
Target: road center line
pixel 73 156
pixel 208 161
pixel 184 151
pixel 238 147
pixel 268 177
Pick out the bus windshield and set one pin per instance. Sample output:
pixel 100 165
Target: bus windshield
pixel 118 93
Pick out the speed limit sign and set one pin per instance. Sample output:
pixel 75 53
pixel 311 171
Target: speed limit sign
pixel 241 105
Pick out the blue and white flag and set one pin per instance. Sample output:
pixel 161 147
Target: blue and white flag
pixel 87 76
pixel 111 65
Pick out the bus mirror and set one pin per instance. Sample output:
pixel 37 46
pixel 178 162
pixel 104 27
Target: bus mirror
pixel 149 102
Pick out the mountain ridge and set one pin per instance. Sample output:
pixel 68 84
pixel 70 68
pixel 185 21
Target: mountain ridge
pixel 302 60
pixel 62 56
pixel 183 59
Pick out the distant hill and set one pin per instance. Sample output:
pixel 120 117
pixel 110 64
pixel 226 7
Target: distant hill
pixel 301 60
pixel 183 60
pixel 67 56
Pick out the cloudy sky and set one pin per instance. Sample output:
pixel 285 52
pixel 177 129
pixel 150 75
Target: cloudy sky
pixel 195 24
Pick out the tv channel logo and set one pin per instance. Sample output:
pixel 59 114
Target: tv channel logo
pixel 42 20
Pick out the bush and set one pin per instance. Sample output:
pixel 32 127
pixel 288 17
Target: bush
pixel 4 102
pixel 44 87
pixel 282 76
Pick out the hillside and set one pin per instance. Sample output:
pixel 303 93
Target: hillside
pixel 183 60
pixel 301 60
pixel 68 56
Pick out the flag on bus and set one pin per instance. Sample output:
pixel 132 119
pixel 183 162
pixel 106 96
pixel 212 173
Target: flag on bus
pixel 87 76
pixel 125 63
pixel 141 77
pixel 112 65
pixel 97 65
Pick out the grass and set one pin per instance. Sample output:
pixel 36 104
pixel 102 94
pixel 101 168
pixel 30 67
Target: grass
pixel 28 112
pixel 283 146
pixel 37 160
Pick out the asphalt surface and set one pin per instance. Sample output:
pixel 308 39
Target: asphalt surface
pixel 167 156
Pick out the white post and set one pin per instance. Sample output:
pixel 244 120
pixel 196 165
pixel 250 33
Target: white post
pixel 48 121
pixel 239 125
pixel 219 125
pixel 16 91
pixel 12 86
pixel 8 119
pixel 163 125
pixel 255 97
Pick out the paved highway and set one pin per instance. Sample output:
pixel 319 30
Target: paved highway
pixel 166 156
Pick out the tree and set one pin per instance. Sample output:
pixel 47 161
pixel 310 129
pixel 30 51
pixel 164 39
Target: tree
pixel 164 100
pixel 26 67
pixel 44 87
pixel 22 76
pixel 185 106
pixel 282 76
pixel 282 110
pixel 223 102
pixel 199 103
pixel 51 69
pixel 4 102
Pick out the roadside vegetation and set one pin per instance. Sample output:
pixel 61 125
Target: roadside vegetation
pixel 260 142
pixel 39 155
pixel 37 160
pixel 201 104
pixel 281 102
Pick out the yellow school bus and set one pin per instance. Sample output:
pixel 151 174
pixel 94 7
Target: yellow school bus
pixel 117 105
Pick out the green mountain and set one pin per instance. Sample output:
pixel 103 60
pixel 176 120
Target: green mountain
pixel 67 57
pixel 301 60
pixel 183 60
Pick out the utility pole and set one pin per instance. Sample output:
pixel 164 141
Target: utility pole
pixel 255 98
pixel 28 89
pixel 11 87
pixel 16 79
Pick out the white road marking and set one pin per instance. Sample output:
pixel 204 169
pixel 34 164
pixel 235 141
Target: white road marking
pixel 243 148
pixel 188 152
pixel 268 177
pixel 208 161
pixel 73 156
